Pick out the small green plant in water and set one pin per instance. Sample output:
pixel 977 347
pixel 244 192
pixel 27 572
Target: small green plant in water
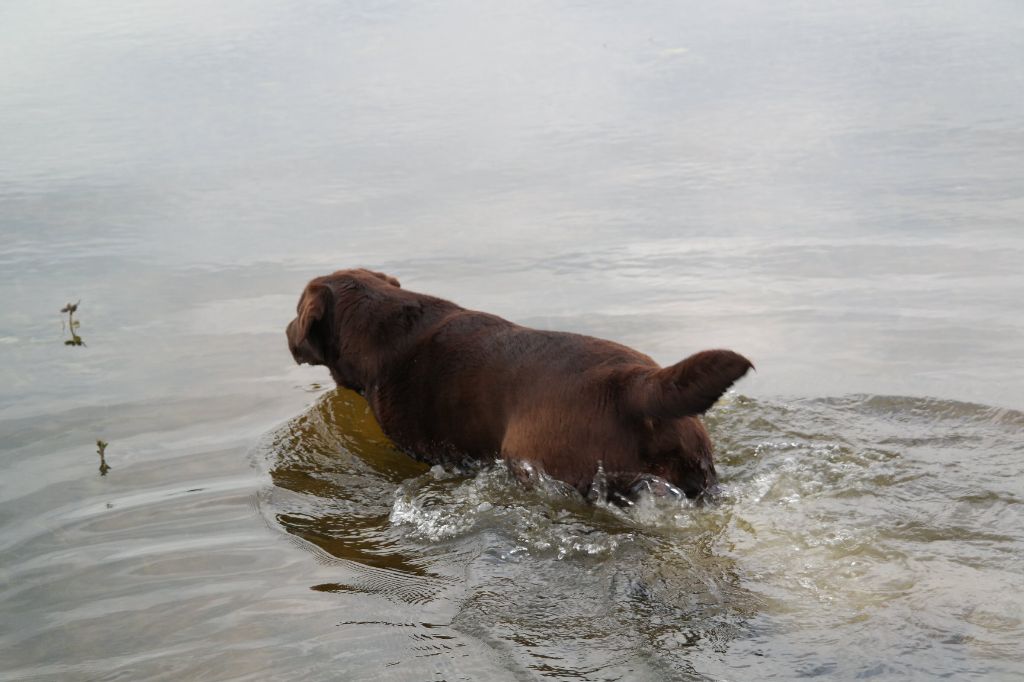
pixel 101 448
pixel 75 339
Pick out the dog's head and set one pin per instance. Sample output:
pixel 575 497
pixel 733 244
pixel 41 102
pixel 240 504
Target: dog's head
pixel 338 318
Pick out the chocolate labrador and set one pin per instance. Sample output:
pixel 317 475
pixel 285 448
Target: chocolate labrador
pixel 449 385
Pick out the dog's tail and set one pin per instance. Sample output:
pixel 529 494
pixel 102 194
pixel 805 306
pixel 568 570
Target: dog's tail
pixel 686 388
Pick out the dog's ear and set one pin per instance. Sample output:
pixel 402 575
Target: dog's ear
pixel 686 388
pixel 312 308
pixel 387 278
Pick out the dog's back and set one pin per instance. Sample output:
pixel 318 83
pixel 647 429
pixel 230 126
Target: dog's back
pixel 449 384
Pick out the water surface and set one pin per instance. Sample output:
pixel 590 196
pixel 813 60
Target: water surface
pixel 833 190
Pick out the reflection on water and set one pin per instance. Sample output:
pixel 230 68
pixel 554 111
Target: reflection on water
pixel 818 533
pixel 336 459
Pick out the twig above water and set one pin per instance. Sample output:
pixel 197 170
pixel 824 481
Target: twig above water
pixel 101 448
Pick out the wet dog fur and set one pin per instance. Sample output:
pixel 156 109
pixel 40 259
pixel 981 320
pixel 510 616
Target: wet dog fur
pixel 449 385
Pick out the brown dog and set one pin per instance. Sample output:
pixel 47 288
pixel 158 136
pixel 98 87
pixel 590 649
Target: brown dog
pixel 449 384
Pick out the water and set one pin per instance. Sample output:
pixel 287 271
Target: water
pixel 834 191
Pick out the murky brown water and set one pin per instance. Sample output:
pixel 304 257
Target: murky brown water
pixel 835 191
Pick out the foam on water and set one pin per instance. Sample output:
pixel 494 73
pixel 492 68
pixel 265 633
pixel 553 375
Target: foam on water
pixel 540 520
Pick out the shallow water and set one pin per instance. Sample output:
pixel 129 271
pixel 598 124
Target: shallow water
pixel 834 191
pixel 818 536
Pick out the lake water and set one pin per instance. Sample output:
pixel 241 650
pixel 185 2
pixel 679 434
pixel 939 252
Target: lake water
pixel 835 190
